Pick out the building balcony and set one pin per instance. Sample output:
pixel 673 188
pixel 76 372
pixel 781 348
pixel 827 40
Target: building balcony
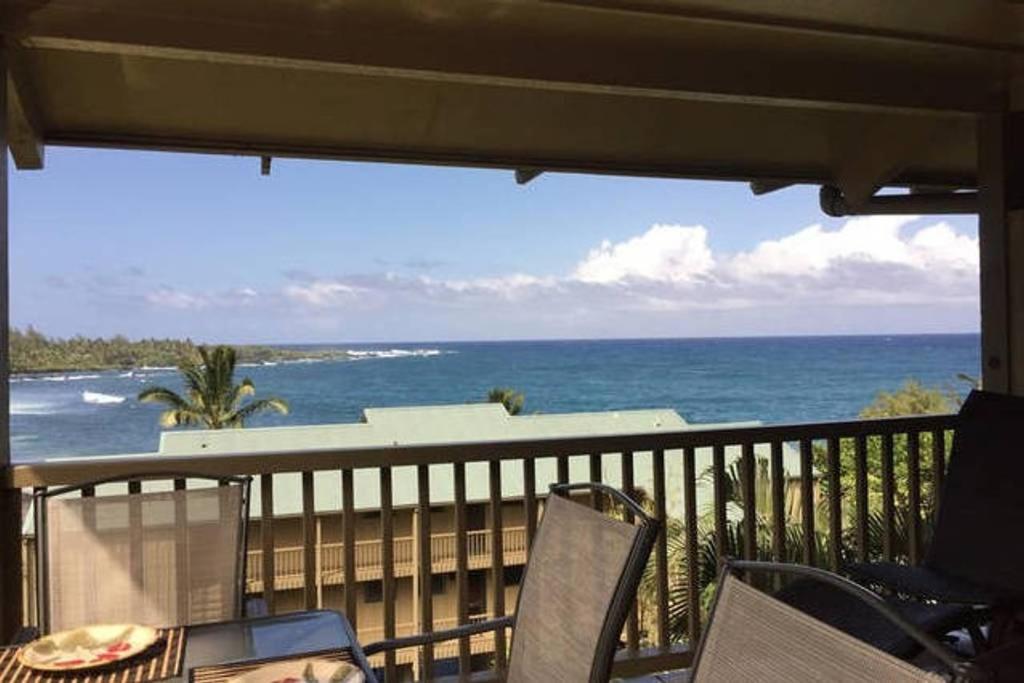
pixel 289 563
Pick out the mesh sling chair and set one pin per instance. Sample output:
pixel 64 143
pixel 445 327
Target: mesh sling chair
pixel 969 570
pixel 156 557
pixel 580 580
pixel 751 636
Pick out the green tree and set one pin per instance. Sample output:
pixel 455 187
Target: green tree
pixel 212 399
pixel 912 398
pixel 507 396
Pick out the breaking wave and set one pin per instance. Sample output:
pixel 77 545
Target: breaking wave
pixel 395 353
pixel 101 399
pixel 32 408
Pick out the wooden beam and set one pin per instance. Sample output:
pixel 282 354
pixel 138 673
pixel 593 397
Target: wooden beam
pixel 864 164
pixel 1001 241
pixel 946 22
pixel 10 497
pixel 572 48
pixel 525 175
pixel 24 129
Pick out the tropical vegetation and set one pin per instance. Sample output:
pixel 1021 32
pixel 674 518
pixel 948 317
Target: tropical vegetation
pixel 212 399
pixel 33 351
pixel 911 398
pixel 510 398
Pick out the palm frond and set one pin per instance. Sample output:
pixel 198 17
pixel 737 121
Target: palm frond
pixel 263 405
pixel 163 395
pixel 243 389
pixel 183 417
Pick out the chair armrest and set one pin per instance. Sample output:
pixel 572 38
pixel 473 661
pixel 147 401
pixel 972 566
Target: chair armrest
pixel 920 583
pixel 25 634
pixel 439 636
pixel 256 607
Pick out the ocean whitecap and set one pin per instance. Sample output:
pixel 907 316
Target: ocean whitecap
pixel 32 408
pixel 97 398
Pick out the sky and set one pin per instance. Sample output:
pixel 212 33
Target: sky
pixel 174 245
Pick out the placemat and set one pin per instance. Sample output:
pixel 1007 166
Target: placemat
pixel 163 660
pixel 225 672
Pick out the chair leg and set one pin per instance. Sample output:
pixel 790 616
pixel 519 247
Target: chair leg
pixel 978 639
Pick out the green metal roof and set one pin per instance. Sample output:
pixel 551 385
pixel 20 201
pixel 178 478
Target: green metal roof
pixel 452 424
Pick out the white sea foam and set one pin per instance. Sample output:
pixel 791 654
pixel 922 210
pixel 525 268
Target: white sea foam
pixel 32 408
pixel 72 378
pixel 395 353
pixel 101 399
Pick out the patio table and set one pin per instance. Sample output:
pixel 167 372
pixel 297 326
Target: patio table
pixel 247 640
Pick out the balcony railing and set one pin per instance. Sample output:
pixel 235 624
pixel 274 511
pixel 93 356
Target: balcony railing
pixel 823 453
pixel 289 563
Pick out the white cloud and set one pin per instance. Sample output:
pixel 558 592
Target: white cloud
pixel 664 280
pixel 668 253
pixel 321 293
pixel 167 297
pixel 816 251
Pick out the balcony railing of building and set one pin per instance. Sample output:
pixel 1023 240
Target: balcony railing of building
pixel 289 563
pixel 829 454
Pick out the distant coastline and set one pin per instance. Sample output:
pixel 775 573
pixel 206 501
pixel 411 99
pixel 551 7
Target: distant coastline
pixel 32 352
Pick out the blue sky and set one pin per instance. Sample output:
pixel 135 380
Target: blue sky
pixel 149 244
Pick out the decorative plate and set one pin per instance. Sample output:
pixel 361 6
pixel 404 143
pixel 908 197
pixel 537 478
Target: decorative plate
pixel 304 671
pixel 87 647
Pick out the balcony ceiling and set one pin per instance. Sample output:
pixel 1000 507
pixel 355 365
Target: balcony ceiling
pixel 858 92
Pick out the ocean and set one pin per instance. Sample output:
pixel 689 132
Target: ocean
pixel 772 380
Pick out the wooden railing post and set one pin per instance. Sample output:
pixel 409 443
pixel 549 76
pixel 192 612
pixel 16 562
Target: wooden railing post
pixel 10 497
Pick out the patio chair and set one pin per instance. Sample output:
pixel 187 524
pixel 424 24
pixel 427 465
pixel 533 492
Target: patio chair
pixel 156 557
pixel 751 636
pixel 581 578
pixel 972 568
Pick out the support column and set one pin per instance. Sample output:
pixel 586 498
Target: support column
pixel 1001 238
pixel 10 498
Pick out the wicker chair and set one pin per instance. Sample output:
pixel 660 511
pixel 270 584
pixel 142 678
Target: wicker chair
pixel 751 636
pixel 970 570
pixel 580 580
pixel 156 557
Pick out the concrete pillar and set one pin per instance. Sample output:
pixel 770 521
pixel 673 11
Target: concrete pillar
pixel 1001 236
pixel 10 498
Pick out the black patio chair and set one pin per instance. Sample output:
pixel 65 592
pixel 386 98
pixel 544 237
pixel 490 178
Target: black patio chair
pixel 974 567
pixel 753 637
pixel 166 557
pixel 581 578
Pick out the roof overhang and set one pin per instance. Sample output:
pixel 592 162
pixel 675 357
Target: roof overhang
pixel 859 93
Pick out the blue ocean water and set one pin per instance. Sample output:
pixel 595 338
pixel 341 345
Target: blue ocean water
pixel 773 380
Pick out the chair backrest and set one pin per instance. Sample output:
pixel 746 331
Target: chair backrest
pixel 581 578
pixel 980 501
pixel 751 636
pixel 157 558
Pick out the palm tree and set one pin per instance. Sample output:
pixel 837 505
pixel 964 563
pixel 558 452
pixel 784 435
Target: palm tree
pixel 512 400
pixel 212 399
